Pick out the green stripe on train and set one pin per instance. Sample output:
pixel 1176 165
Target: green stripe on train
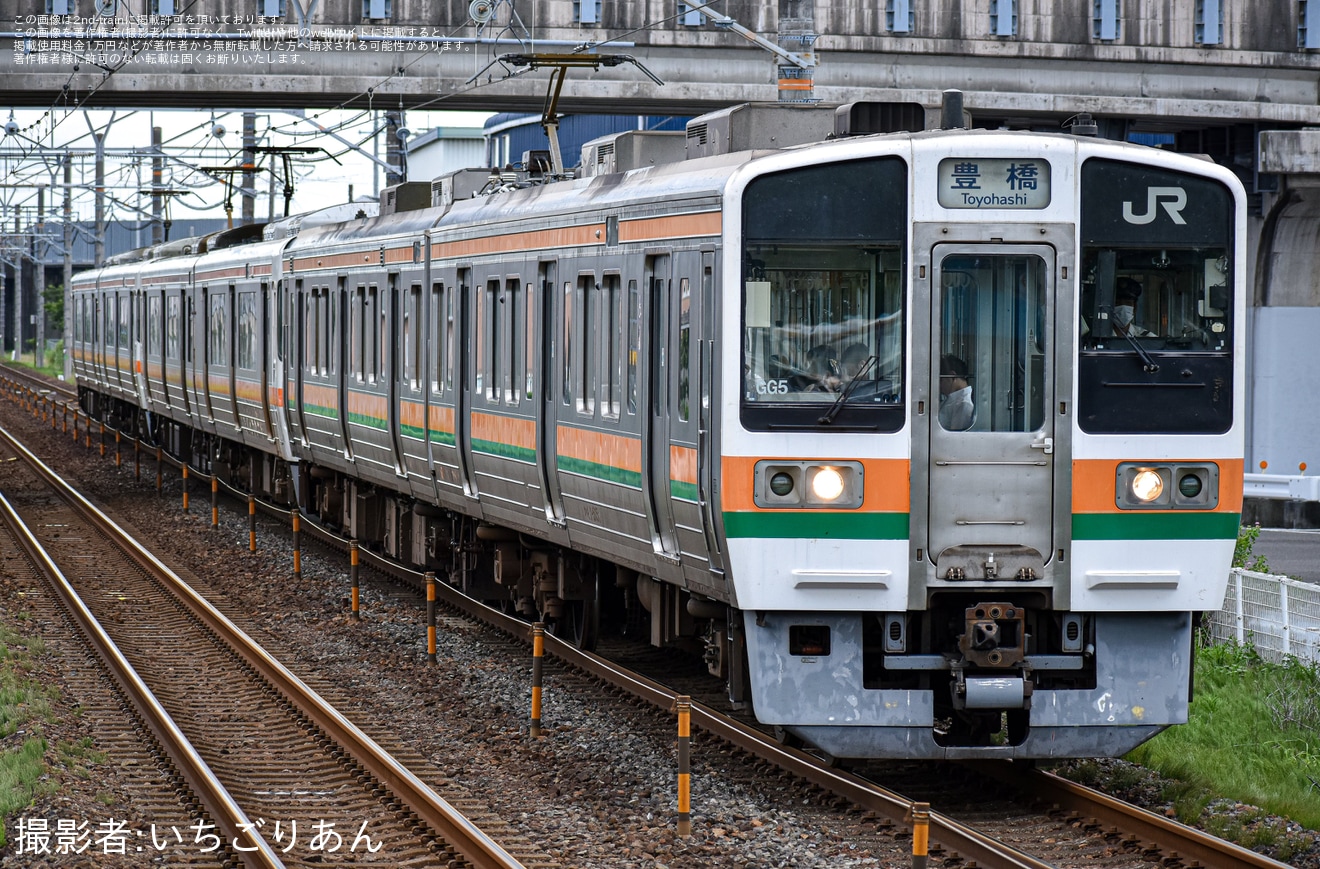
pixel 504 451
pixel 1154 525
pixel 817 524
pixel 602 472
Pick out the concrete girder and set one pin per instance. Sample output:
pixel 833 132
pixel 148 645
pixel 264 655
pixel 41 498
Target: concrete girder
pixel 1153 86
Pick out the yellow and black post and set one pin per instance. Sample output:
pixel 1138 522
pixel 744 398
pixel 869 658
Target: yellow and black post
pixel 430 617
pixel 538 657
pixel 252 523
pixel 66 417
pixel 353 576
pixel 119 458
pixel 103 440
pixel 683 704
pixel 215 501
pixel 297 543
pixel 185 486
pixel 920 834
pixel 137 460
pixel 87 432
pixel 160 465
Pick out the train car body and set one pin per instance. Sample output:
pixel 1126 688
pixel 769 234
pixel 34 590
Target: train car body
pixel 932 443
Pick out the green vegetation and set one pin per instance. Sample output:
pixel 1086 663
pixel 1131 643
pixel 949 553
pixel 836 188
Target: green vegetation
pixel 1242 554
pixel 24 705
pixel 52 364
pixel 1250 738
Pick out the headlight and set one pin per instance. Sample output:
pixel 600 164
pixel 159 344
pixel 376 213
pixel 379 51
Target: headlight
pixel 827 484
pixel 806 485
pixel 1167 486
pixel 781 484
pixel 1147 485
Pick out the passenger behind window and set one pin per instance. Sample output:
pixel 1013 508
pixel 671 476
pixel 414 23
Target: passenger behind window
pixel 957 412
pixel 854 359
pixel 1126 296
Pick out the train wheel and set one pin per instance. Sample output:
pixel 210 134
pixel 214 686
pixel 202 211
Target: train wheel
pixel 580 623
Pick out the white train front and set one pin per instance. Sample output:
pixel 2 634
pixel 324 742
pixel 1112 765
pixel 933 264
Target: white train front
pixel 932 442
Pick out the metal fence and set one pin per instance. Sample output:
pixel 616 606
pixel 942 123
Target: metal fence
pixel 1277 615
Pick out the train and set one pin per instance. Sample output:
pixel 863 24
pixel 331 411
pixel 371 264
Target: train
pixel 929 442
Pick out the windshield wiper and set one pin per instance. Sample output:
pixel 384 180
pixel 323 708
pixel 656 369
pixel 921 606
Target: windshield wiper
pixel 847 391
pixel 1150 366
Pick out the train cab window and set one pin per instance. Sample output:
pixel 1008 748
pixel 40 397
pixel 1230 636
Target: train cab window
pixel 1155 321
pixel 993 311
pixel 823 297
pixel 371 348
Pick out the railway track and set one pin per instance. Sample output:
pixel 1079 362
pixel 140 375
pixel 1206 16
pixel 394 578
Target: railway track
pixel 263 745
pixel 1083 824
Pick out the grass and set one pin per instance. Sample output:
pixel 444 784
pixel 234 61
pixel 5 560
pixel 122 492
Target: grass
pixel 53 359
pixel 24 706
pixel 1251 737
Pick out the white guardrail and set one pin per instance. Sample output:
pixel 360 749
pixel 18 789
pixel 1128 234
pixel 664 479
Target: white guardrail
pixel 1277 615
pixel 1277 487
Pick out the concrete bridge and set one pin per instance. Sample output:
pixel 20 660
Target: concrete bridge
pixel 1144 62
pixel 1239 82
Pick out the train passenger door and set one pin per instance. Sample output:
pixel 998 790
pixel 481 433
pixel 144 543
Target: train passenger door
pixel 991 421
pixel 546 409
pixel 141 337
pixel 295 358
pixel 464 359
pixel 655 429
pixel 396 350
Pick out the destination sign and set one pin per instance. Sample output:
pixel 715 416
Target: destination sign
pixel 994 182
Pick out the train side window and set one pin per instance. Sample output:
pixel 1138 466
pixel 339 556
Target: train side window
pixel 382 332
pixel 247 316
pixel 684 345
pixel 512 345
pixel 529 337
pixel 634 342
pixel 612 337
pixel 567 382
pixel 450 301
pixel 355 330
pixel 412 348
pixel 588 297
pixel 487 333
pixel 371 349
pixel 153 327
pixel 125 320
pixel 219 337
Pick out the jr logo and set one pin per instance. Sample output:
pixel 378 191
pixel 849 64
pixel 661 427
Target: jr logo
pixel 1175 200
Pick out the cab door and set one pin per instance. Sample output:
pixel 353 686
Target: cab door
pixel 992 464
